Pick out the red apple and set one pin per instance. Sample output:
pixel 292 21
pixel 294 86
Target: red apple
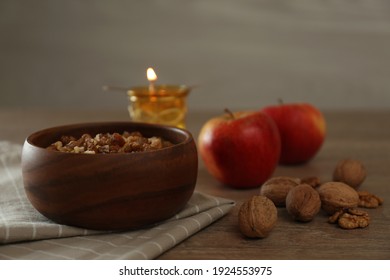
pixel 302 130
pixel 240 149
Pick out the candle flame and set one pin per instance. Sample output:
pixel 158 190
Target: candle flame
pixel 151 75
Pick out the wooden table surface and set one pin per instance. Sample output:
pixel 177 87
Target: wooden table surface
pixel 363 135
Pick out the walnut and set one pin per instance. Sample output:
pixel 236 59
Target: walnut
pixel 351 172
pixel 350 218
pixel 335 217
pixel 303 203
pixel 312 181
pixel 277 188
pixel 369 200
pixel 337 195
pixel 257 217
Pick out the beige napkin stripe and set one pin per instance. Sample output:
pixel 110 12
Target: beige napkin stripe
pixel 179 233
pixel 114 246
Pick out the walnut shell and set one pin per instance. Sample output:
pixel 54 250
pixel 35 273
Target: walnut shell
pixel 277 188
pixel 337 195
pixel 349 171
pixel 312 181
pixel 257 217
pixel 303 203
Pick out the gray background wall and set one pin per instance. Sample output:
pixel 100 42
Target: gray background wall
pixel 241 54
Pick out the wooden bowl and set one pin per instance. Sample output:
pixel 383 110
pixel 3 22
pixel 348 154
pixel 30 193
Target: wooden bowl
pixel 109 191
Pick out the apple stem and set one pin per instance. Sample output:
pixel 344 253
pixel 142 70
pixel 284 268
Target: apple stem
pixel 230 113
pixel 280 101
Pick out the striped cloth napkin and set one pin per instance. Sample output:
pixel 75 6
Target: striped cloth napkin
pixel 20 224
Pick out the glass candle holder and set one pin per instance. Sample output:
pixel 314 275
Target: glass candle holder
pixel 160 104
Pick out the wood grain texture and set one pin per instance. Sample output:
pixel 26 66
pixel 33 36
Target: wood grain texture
pixel 109 191
pixel 363 135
